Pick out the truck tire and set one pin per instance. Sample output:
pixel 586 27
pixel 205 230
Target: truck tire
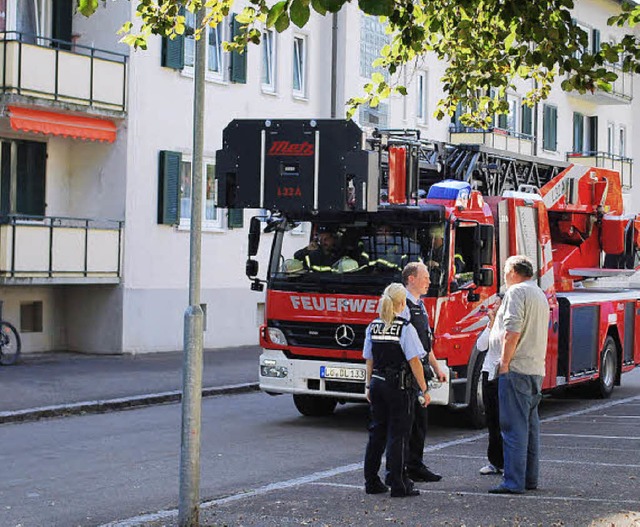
pixel 608 369
pixel 314 406
pixel 475 411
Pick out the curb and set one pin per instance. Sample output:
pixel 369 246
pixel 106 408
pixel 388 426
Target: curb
pixel 121 403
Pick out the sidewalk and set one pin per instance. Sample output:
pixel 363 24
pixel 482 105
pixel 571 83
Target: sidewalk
pixel 51 384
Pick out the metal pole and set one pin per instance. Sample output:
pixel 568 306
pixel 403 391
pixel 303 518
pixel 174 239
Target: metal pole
pixel 188 512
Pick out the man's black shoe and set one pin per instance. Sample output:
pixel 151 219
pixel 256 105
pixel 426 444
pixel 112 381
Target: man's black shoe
pixel 405 493
pixel 376 488
pixel 423 474
pixel 504 490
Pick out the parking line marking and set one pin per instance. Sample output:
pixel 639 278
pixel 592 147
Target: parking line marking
pixel 569 462
pixel 592 436
pixel 312 478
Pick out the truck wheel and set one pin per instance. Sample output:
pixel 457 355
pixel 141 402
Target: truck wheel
pixel 314 406
pixel 475 411
pixel 608 369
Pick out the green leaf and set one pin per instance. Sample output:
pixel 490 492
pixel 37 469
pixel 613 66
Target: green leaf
pixel 376 7
pixel 319 7
pixel 282 24
pixel 300 12
pixel 87 7
pixel 275 12
pixel 333 6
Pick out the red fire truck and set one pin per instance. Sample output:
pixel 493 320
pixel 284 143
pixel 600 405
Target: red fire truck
pixel 373 204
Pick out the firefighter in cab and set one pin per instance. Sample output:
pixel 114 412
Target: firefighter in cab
pixel 392 350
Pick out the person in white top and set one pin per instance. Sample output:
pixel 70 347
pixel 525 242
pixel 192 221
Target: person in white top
pixel 491 340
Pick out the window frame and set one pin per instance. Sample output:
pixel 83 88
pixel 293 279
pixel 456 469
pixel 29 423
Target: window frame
pixel 301 92
pixel 555 126
pixel 184 222
pixel 622 141
pixel 422 98
pixel 611 138
pixel 222 30
pixel 270 60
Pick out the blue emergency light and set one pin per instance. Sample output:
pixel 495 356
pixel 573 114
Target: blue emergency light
pixel 449 189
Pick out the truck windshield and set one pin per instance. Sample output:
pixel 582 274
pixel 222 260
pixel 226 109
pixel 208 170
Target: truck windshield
pixel 357 258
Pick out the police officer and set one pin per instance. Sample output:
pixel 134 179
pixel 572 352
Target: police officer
pixel 415 277
pixel 392 351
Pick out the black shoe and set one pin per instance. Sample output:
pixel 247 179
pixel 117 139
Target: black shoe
pixel 531 487
pixel 377 487
pixel 504 490
pixel 423 474
pixel 405 493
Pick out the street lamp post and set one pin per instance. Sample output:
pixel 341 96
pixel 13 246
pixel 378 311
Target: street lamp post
pixel 189 501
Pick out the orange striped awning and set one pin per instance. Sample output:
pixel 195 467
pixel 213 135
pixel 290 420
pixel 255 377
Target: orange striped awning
pixel 65 125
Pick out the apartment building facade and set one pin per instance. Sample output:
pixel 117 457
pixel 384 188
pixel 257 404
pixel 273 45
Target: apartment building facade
pixel 95 194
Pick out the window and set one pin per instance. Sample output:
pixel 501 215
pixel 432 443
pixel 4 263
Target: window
pixel 578 132
pixel 527 120
pixel 299 65
pixel 550 128
pixel 373 38
pixel 622 142
pixel 421 97
pixel 31 18
pixel 269 61
pixel 210 217
pixel 23 173
pixel 215 58
pixel 610 138
pixel 31 317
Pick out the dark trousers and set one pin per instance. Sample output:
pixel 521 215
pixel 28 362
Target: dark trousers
pixel 492 412
pixel 415 445
pixel 388 430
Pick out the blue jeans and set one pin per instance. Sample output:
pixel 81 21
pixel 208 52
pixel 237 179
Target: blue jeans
pixel 519 396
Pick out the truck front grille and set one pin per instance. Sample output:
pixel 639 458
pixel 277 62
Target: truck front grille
pixel 318 335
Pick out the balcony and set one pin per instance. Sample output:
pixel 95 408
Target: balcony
pixel 55 250
pixel 621 89
pixel 623 165
pixel 65 74
pixel 493 137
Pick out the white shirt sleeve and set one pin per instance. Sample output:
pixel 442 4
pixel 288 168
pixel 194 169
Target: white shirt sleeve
pixel 366 350
pixel 410 343
pixel 483 340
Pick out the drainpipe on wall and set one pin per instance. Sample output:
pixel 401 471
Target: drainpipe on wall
pixel 535 123
pixel 334 63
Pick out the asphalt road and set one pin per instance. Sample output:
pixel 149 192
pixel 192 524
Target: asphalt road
pixel 264 465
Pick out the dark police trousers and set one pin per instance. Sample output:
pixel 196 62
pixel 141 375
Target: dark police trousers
pixel 418 432
pixel 388 429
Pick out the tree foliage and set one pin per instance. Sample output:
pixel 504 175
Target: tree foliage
pixel 486 44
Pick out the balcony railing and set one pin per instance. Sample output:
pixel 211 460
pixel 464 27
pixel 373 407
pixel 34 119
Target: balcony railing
pixel 493 137
pixel 60 71
pixel 60 250
pixel 621 89
pixel 623 165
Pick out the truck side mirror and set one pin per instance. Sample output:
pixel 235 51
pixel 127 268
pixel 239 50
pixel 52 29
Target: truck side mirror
pixel 484 277
pixel 251 268
pixel 254 237
pixel 485 234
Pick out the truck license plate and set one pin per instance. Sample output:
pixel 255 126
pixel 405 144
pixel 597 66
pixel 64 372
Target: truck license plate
pixel 332 372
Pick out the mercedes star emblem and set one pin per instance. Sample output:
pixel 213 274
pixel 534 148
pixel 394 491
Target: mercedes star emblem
pixel 345 335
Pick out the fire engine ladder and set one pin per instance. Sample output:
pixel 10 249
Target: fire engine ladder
pixel 493 171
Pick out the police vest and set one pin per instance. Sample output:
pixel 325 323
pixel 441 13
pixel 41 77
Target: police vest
pixel 420 321
pixel 385 345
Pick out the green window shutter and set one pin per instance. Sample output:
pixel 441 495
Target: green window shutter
pixel 173 50
pixel 238 60
pixel 169 187
pixel 593 134
pixel 595 41
pixel 554 128
pixel 527 124
pixel 235 218
pixel 502 121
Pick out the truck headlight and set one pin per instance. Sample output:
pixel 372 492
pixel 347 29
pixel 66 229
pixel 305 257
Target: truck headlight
pixel 277 336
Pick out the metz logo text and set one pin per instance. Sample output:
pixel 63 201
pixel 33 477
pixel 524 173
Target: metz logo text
pixel 285 148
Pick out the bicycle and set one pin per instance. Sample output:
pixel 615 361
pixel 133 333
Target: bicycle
pixel 10 344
